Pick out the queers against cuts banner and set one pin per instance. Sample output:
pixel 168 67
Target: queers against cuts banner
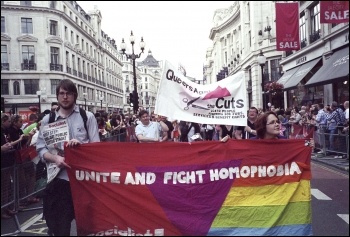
pixel 223 102
pixel 202 188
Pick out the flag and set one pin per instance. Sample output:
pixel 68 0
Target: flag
pixel 334 11
pixel 287 26
pixel 223 102
pixel 245 187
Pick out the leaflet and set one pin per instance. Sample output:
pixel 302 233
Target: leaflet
pixel 55 135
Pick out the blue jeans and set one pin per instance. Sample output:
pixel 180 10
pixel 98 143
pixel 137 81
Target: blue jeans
pixel 331 138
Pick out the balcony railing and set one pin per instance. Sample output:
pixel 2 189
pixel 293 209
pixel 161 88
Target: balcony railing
pixel 89 78
pixel 56 67
pixel 75 73
pixel 28 66
pixel 5 66
pixel 80 74
pixel 84 76
pixel 315 36
pixel 303 43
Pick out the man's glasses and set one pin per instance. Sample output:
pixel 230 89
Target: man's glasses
pixel 273 122
pixel 63 94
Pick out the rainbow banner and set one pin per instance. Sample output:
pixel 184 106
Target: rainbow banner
pixel 242 187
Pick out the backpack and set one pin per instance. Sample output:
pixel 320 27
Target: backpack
pixel 82 114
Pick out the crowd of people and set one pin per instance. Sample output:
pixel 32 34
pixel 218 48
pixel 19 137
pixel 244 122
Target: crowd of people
pixel 58 206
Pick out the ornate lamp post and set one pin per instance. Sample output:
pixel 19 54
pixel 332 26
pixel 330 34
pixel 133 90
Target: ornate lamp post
pixel 101 99
pixel 133 57
pixel 85 95
pixel 262 60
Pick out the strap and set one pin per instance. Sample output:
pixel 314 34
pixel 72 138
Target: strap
pixel 85 119
pixel 52 117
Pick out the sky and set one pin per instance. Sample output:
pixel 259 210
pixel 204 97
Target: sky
pixel 173 31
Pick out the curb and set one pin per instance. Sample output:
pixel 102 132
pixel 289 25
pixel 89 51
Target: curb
pixel 338 163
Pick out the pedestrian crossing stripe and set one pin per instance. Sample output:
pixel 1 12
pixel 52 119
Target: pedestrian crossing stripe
pixel 37 231
pixel 319 195
pixel 345 217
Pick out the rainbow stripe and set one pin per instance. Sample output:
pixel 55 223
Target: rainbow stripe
pixel 265 210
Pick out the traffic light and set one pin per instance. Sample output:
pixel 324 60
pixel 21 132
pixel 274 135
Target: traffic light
pixel 2 104
pixel 131 99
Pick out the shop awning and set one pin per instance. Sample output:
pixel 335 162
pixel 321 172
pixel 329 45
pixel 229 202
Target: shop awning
pixel 287 75
pixel 300 74
pixel 335 68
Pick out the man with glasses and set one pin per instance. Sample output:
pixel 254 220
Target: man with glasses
pixel 58 206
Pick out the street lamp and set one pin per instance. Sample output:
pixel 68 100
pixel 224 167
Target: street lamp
pixel 262 60
pixel 85 95
pixel 133 57
pixel 101 98
pixel 38 93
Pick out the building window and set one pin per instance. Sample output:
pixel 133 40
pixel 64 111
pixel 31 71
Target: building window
pixel 4 87
pixel 54 84
pixel 54 55
pixel 3 28
pixel 65 32
pixel 31 86
pixel 72 37
pixel 275 69
pixel 28 54
pixel 302 27
pixel 27 25
pixel 315 18
pixel 16 90
pixel 52 4
pixel 4 58
pixel 26 3
pixel 53 27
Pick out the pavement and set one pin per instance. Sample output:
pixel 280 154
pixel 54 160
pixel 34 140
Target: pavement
pixel 341 163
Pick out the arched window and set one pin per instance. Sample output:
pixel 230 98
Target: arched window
pixel 16 90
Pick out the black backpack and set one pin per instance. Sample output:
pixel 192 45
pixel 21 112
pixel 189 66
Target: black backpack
pixel 82 113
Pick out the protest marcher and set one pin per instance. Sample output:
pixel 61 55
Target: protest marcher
pixel 26 171
pixel 226 130
pixel 193 128
pixel 150 131
pixel 58 208
pixel 268 126
pixel 335 119
pixel 170 127
pixel 7 160
pixel 246 132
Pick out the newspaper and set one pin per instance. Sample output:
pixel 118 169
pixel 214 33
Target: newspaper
pixel 55 135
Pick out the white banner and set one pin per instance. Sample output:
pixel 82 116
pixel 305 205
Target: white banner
pixel 223 102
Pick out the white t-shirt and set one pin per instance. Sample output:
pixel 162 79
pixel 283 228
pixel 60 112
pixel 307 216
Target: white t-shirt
pixel 152 130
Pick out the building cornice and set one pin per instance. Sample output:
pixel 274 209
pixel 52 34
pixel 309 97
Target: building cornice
pixel 54 39
pixel 27 38
pixel 5 37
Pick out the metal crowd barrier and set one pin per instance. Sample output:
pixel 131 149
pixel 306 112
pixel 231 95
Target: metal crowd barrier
pixel 330 143
pixel 336 143
pixel 22 185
